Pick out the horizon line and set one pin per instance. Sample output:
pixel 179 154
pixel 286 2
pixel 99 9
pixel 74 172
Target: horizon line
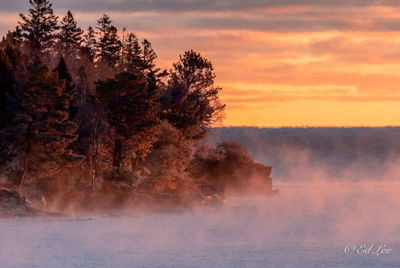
pixel 305 126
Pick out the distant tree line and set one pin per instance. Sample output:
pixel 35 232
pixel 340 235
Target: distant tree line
pixel 91 110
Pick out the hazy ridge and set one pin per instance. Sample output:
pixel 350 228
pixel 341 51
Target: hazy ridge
pixel 354 154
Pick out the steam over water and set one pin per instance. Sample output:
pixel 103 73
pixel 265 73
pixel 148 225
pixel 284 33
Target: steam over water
pixel 305 226
pixel 309 224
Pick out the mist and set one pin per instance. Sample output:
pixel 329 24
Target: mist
pixel 325 205
pixel 330 154
pixel 304 226
pixel 109 158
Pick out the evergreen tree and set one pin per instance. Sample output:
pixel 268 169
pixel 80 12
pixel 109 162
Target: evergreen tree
pixel 90 42
pixel 141 58
pixel 39 26
pixel 191 102
pixel 9 54
pixel 6 87
pixel 132 53
pixel 10 44
pixel 71 34
pixel 70 89
pixel 149 56
pixel 94 139
pixel 131 109
pixel 109 45
pixel 18 33
pixel 10 127
pixel 120 132
pixel 49 131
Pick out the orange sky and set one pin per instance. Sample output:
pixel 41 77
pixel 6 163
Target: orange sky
pixel 300 64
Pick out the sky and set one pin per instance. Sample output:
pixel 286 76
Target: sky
pixel 279 62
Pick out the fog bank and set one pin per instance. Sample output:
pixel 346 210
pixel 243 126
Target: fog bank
pixel 303 226
pixel 306 154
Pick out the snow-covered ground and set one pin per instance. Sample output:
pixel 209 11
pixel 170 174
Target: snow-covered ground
pixel 303 226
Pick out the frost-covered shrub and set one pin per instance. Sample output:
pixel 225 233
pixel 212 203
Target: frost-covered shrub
pixel 168 161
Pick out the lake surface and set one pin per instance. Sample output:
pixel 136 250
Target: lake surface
pixel 304 226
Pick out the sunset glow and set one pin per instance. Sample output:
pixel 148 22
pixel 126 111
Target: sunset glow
pixel 303 64
pixel 199 133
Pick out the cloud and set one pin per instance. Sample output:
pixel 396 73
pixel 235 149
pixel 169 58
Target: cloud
pixel 271 25
pixel 207 5
pixel 254 15
pixel 337 98
pixel 193 5
pixel 244 94
pixel 340 52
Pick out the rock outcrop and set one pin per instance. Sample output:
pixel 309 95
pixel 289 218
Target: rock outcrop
pixel 231 169
pixel 13 204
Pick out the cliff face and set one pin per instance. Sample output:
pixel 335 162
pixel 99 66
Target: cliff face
pixel 259 178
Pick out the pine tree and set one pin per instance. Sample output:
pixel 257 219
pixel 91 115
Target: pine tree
pixel 70 89
pixel 141 58
pixel 6 88
pixel 18 33
pixel 109 45
pixel 40 25
pixel 10 126
pixel 9 53
pixel 49 131
pixel 191 102
pixel 132 53
pixel 10 44
pixel 119 118
pixel 131 109
pixel 71 34
pixel 149 56
pixel 90 43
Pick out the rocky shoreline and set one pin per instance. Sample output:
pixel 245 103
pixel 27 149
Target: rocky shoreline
pixel 13 204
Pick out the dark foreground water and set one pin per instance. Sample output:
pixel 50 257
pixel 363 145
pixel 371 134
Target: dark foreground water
pixel 303 226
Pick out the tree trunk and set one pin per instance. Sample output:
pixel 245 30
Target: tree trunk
pixel 27 152
pixel 117 154
pixel 94 153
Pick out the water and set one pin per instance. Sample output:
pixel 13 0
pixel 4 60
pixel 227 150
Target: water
pixel 303 226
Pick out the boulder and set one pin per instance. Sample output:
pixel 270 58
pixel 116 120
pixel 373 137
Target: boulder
pixel 12 203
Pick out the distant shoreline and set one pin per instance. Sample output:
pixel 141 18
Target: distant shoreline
pixel 307 127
